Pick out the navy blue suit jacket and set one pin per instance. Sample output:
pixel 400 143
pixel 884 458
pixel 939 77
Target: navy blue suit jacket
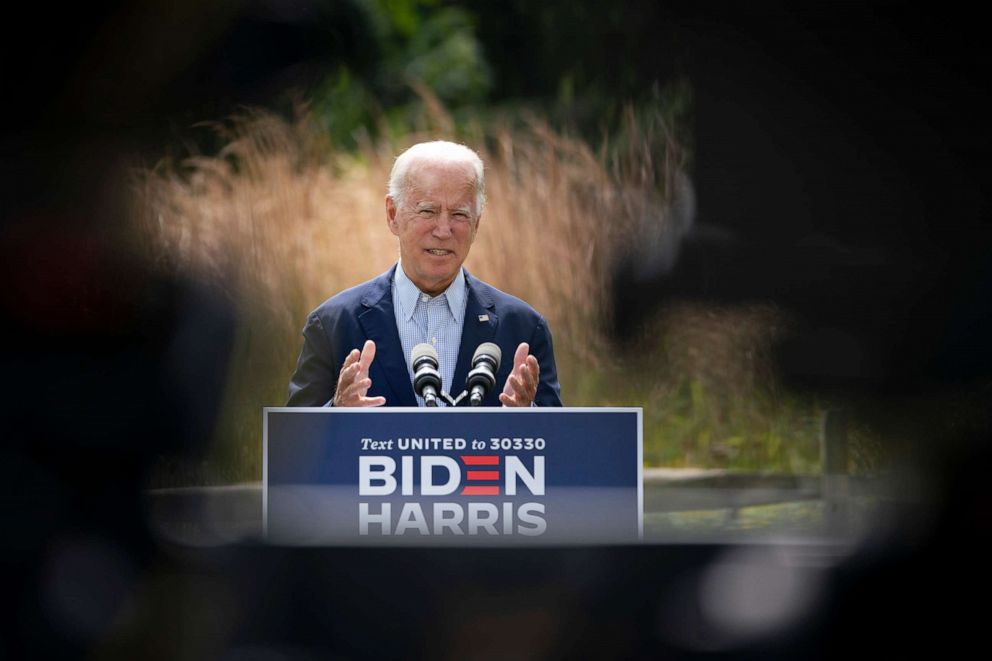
pixel 365 312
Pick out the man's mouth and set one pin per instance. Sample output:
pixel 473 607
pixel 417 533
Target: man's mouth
pixel 438 252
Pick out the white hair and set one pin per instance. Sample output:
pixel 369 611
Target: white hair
pixel 438 151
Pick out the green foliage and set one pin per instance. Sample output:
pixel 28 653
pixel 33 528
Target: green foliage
pixel 343 104
pixel 444 54
pixel 691 426
pixel 688 425
pixel 710 401
pixel 424 49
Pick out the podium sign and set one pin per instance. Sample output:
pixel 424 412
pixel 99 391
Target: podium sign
pixel 452 475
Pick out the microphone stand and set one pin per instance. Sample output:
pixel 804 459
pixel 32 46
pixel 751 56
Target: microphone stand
pixel 453 402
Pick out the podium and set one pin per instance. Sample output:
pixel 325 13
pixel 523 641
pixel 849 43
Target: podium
pixel 452 476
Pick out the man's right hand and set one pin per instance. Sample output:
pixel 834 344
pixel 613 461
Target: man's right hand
pixel 354 381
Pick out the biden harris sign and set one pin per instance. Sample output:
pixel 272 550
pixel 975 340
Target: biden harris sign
pixel 452 475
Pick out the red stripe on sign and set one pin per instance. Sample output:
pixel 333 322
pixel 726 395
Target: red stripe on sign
pixel 480 460
pixel 483 475
pixel 480 491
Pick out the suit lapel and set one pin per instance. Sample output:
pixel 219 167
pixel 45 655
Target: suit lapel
pixel 379 323
pixel 478 326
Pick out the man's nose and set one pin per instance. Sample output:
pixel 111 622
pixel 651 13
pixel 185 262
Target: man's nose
pixel 442 228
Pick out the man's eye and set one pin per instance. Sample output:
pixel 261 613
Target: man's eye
pixel 426 212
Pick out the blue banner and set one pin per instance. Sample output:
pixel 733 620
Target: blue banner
pixel 450 475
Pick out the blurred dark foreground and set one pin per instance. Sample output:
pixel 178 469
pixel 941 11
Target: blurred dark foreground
pixel 109 365
pixel 678 600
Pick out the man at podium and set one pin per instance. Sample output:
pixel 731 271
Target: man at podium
pixel 357 345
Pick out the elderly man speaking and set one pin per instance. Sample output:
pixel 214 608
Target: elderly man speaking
pixel 357 344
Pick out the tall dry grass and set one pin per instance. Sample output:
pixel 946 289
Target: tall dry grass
pixel 281 220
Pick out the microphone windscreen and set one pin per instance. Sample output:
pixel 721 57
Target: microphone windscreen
pixel 488 349
pixel 423 350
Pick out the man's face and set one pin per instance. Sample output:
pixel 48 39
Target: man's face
pixel 436 223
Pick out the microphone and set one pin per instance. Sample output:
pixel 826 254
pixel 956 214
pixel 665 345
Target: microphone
pixel 482 378
pixel 426 378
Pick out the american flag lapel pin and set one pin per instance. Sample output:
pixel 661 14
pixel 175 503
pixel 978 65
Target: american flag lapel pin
pixel 483 317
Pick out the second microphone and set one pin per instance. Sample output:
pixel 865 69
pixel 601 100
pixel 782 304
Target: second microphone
pixel 426 377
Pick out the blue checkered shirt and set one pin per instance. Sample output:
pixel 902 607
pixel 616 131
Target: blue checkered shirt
pixel 435 320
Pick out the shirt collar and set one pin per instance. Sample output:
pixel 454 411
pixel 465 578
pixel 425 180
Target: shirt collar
pixel 407 294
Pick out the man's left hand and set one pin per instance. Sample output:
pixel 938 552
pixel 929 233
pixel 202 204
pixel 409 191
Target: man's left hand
pixel 521 385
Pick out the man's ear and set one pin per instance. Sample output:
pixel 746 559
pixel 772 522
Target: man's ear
pixel 391 215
